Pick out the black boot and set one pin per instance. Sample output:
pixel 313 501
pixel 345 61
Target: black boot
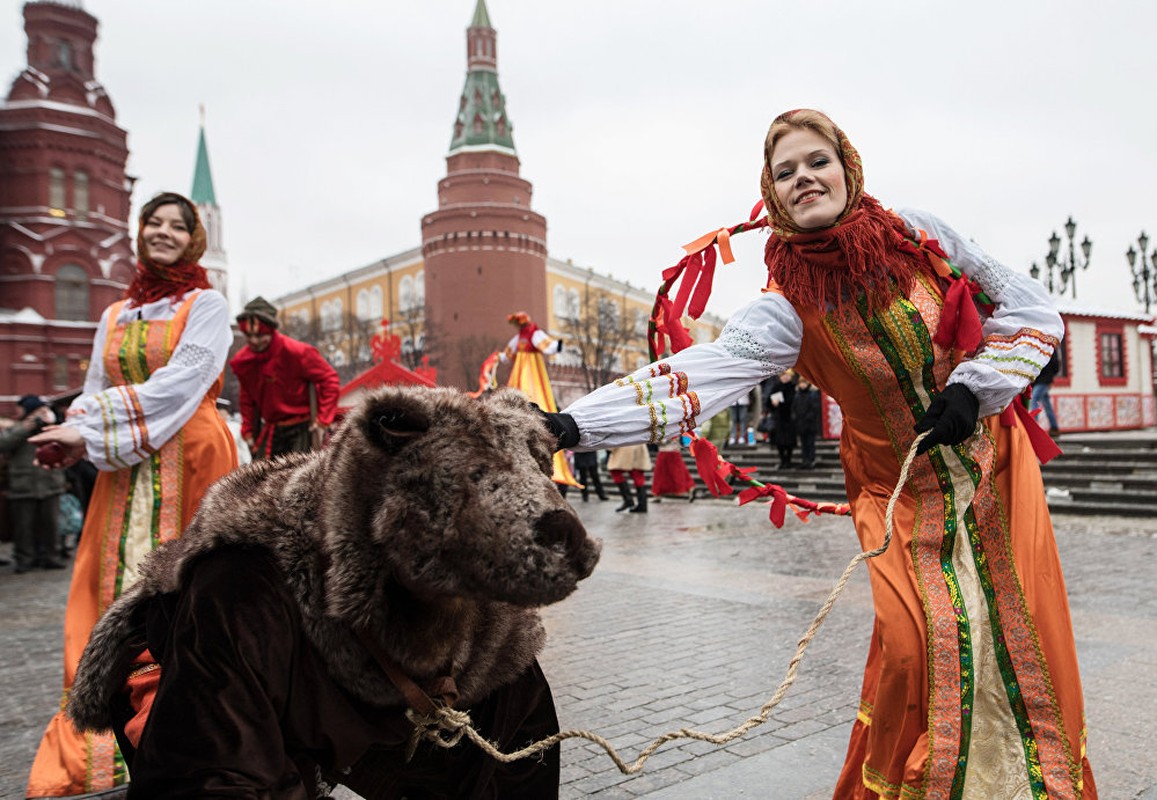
pixel 628 502
pixel 641 505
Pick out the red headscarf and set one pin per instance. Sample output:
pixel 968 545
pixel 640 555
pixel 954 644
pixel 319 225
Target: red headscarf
pixel 155 281
pixel 866 250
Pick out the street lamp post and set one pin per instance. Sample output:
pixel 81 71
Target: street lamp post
pixel 1034 270
pixel 1145 273
pixel 1067 267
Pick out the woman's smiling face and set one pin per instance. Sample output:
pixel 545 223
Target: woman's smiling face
pixel 808 178
pixel 166 235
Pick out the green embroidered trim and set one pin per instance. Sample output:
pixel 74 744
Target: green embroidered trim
pixel 900 333
pixel 1004 664
pixel 124 533
pixel 155 526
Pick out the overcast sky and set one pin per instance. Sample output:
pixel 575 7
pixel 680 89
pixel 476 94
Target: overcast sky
pixel 640 124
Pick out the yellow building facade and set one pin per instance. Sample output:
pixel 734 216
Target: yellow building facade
pixel 339 315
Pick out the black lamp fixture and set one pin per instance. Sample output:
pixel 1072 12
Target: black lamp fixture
pixel 1066 267
pixel 1144 273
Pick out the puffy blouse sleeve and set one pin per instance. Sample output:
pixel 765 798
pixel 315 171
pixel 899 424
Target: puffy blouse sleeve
pixel 673 395
pixel 1019 336
pixel 123 425
pixel 544 342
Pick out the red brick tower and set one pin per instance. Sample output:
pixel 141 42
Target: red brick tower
pixel 484 248
pixel 65 248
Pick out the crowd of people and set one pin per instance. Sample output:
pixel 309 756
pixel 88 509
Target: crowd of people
pixel 971 682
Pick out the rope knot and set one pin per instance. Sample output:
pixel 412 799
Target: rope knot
pixel 445 727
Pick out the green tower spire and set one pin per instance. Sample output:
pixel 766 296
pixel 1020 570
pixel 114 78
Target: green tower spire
pixel 481 17
pixel 202 193
pixel 482 122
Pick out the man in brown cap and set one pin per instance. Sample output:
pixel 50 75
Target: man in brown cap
pixel 278 375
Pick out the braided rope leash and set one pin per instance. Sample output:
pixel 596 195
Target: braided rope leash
pixel 446 726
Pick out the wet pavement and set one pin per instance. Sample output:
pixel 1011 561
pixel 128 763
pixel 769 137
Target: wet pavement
pixel 690 620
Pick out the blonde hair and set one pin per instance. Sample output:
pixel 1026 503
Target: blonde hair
pixel 801 119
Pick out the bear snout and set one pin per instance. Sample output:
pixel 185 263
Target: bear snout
pixel 562 527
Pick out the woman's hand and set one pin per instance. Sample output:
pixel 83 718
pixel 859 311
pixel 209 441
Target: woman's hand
pixel 951 417
pixel 561 426
pixel 58 447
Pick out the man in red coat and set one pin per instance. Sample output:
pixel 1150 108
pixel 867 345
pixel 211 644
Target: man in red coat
pixel 278 375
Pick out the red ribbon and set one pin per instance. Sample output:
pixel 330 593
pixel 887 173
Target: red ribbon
pixel 693 266
pixel 934 246
pixel 668 324
pixel 959 319
pixel 707 463
pixel 778 500
pixel 1042 444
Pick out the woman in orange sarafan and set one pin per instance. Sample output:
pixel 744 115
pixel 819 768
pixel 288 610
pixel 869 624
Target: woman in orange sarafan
pixel 148 420
pixel 971 687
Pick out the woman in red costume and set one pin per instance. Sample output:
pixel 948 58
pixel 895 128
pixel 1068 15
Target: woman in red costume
pixel 148 420
pixel 971 688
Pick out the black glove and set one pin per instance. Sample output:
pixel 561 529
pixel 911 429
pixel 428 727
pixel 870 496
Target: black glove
pixel 951 417
pixel 562 427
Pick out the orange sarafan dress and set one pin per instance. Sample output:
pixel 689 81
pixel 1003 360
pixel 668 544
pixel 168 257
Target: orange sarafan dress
pixel 972 659
pixel 145 494
pixel 971 688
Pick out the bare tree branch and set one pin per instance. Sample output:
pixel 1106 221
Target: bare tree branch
pixel 601 330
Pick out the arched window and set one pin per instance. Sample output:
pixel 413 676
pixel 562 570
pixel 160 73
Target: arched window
pixel 608 313
pixel 640 320
pixel 72 293
pixel 407 297
pixel 561 302
pixel 330 313
pixel 369 304
pixel 80 193
pixel 420 289
pixel 575 303
pixel 56 189
pixel 376 311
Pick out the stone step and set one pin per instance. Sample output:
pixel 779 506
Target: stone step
pixel 1059 467
pixel 1101 507
pixel 1102 482
pixel 1099 492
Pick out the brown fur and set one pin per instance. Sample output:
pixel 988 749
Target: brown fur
pixel 430 520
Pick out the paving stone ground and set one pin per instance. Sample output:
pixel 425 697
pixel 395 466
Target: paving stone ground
pixel 690 620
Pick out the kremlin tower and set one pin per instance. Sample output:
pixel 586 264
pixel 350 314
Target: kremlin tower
pixel 484 248
pixel 214 261
pixel 65 243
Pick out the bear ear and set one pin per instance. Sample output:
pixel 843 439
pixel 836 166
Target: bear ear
pixel 392 425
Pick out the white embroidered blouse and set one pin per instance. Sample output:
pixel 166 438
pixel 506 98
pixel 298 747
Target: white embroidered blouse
pixel 763 339
pixel 167 398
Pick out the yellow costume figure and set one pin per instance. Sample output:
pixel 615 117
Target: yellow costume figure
pixel 528 374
